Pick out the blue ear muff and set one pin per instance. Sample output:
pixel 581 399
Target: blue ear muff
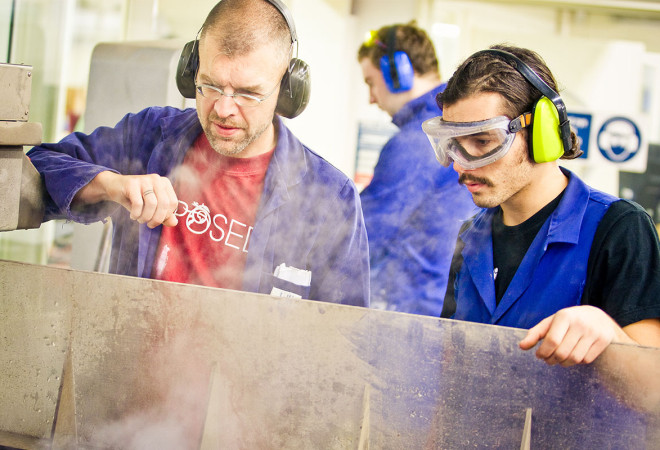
pixel 397 71
pixel 396 67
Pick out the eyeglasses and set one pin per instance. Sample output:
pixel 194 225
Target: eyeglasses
pixel 473 144
pixel 214 93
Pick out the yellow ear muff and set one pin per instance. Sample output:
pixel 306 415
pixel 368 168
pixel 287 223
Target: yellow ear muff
pixel 551 129
pixel 546 137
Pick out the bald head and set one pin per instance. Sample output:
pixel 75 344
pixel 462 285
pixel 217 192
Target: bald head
pixel 237 27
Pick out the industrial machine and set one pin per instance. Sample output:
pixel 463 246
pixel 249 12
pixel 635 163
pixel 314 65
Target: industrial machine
pixel 93 360
pixel 20 183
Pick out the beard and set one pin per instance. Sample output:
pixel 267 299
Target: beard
pixel 231 146
pixel 511 177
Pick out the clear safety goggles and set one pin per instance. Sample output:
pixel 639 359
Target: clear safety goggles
pixel 473 144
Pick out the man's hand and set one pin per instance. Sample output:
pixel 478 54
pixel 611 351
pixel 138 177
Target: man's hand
pixel 574 335
pixel 149 198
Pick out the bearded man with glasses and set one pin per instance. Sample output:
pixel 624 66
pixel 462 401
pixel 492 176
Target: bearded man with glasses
pixel 223 195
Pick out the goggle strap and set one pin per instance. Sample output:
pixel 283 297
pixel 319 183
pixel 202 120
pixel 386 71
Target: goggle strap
pixel 520 122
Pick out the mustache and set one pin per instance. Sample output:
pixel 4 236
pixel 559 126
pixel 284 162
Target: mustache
pixel 225 122
pixel 468 178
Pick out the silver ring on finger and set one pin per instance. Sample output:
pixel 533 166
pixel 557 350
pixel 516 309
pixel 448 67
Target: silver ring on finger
pixel 147 192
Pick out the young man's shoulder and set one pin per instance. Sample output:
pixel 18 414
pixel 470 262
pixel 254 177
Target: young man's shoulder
pixel 624 264
pixel 622 214
pixel 625 227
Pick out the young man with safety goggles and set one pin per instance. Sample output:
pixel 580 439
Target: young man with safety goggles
pixel 578 267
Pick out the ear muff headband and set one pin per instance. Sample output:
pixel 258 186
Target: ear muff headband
pixel 295 87
pixel 396 66
pixel 551 130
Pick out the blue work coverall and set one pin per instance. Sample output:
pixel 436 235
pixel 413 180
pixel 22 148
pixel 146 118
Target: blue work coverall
pixel 551 275
pixel 309 215
pixel 413 210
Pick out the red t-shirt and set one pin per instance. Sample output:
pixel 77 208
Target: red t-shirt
pixel 218 200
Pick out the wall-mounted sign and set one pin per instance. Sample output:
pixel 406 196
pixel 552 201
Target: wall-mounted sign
pixel 619 139
pixel 611 139
pixel 581 124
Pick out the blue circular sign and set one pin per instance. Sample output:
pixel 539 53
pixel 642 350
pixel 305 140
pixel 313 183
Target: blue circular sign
pixel 619 139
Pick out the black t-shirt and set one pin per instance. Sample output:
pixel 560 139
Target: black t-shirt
pixel 623 270
pixel 510 243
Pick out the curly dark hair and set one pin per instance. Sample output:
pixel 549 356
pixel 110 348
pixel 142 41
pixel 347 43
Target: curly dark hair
pixel 486 72
pixel 408 38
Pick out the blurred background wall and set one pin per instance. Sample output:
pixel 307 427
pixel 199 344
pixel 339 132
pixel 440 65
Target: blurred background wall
pixel 604 54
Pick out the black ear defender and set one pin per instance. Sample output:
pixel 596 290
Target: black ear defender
pixel 550 129
pixel 295 87
pixel 187 69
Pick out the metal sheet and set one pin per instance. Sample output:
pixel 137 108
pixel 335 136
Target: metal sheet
pixel 34 328
pixel 165 365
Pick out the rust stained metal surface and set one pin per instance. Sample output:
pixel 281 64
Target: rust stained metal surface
pixel 103 361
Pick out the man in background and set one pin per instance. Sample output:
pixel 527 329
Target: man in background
pixel 413 207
